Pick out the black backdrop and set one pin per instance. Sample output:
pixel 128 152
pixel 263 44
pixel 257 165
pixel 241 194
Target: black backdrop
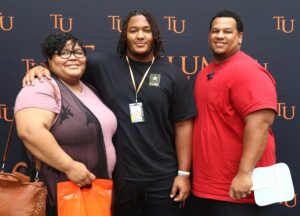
pixel 271 36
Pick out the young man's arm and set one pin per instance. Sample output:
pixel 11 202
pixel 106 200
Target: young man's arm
pixel 183 140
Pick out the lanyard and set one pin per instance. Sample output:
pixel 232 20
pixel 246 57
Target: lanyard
pixel 143 79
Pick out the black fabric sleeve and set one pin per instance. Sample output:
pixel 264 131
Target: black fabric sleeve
pixel 87 77
pixel 183 102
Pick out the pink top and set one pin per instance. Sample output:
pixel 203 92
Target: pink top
pixel 46 95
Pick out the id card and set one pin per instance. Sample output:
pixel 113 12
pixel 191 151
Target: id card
pixel 136 112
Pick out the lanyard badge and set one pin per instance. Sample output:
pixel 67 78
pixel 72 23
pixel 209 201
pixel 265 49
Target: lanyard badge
pixel 136 109
pixel 136 112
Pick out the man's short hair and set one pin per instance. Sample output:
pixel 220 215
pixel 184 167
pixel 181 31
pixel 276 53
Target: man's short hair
pixel 229 14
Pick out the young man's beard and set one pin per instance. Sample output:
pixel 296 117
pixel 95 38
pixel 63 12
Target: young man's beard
pixel 142 56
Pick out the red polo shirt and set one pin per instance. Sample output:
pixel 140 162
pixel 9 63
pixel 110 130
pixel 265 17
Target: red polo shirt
pixel 238 87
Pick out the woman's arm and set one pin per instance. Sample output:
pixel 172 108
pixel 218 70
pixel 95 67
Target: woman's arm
pixel 33 126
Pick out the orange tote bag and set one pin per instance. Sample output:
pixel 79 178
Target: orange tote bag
pixel 93 201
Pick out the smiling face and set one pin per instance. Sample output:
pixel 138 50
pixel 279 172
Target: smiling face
pixel 224 38
pixel 71 69
pixel 139 39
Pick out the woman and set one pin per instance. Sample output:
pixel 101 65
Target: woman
pixel 64 124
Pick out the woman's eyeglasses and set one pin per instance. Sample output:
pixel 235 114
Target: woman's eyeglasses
pixel 65 54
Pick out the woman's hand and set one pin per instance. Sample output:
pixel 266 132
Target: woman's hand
pixel 38 71
pixel 79 174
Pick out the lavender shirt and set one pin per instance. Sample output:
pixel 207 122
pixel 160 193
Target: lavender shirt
pixel 46 95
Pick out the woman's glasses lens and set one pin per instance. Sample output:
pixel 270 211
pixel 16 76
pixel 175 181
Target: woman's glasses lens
pixel 65 54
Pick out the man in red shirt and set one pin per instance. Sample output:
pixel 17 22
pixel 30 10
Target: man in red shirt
pixel 236 102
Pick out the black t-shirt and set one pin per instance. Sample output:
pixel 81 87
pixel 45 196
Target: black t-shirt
pixel 145 150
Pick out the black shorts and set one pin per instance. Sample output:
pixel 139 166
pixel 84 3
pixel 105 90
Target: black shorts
pixel 146 199
pixel 208 207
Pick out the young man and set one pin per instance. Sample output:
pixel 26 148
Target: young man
pixel 236 99
pixel 154 106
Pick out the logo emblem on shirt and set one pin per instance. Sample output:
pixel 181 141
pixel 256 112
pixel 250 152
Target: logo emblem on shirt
pixel 154 79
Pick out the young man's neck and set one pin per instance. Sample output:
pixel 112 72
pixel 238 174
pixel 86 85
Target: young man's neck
pixel 141 58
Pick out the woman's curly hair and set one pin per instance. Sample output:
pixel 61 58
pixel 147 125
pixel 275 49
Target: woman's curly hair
pixel 54 43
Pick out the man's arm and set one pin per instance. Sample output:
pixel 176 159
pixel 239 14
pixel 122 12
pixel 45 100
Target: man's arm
pixel 255 138
pixel 183 139
pixel 38 71
pixel 41 72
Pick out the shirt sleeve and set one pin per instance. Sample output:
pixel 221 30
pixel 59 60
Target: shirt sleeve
pixel 183 103
pixel 43 95
pixel 254 90
pixel 92 66
pixel 87 75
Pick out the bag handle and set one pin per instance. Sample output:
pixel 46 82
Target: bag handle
pixel 5 154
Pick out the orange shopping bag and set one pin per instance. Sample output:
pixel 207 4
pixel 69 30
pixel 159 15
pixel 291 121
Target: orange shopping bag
pixel 94 201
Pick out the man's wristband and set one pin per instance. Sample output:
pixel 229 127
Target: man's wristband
pixel 183 173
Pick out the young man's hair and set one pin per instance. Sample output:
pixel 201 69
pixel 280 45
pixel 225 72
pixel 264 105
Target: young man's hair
pixel 157 44
pixel 229 14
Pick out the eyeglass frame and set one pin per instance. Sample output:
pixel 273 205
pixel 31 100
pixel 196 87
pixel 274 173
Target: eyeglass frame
pixel 70 53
